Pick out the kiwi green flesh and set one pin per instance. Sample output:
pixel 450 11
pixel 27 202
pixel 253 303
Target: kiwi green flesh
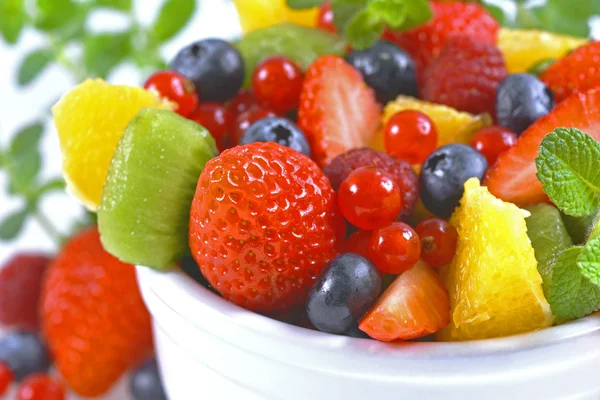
pixel 144 211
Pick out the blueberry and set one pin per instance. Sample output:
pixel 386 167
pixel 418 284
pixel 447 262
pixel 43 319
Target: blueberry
pixel 24 353
pixel 146 383
pixel 388 69
pixel 278 130
pixel 520 100
pixel 444 174
pixel 356 333
pixel 215 67
pixel 343 293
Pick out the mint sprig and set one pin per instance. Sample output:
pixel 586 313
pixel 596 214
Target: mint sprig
pixel 568 166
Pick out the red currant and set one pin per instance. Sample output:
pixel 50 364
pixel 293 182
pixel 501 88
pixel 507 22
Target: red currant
pixel 243 101
pixel 410 135
pixel 247 118
pixel 325 19
pixel 493 141
pixel 176 88
pixel 277 83
pixel 40 387
pixel 395 248
pixel 358 243
pixel 438 241
pixel 369 198
pixel 217 119
pixel 6 377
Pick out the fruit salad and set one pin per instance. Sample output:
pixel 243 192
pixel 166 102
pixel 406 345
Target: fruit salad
pixel 438 182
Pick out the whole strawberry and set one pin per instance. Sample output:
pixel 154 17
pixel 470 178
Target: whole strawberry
pixel 576 72
pixel 425 42
pixel 263 225
pixel 405 176
pixel 465 75
pixel 20 288
pixel 93 316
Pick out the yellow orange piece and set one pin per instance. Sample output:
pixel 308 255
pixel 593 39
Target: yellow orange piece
pixel 494 285
pixel 523 49
pixel 452 126
pixel 257 14
pixel 90 120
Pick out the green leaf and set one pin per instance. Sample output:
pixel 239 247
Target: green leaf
pixel 345 10
pixel 498 13
pixel 33 65
pixel 303 4
pixel 572 295
pixel 418 12
pixel 589 261
pixel 12 225
pixel 104 51
pixel 568 167
pixel 364 29
pixel 392 12
pixel 172 18
pixel 54 185
pixel 12 19
pixel 26 140
pixel 122 5
pixel 24 158
pixel 50 15
pixel 24 173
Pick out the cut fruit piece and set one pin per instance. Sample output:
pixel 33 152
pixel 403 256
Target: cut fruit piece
pixel 452 125
pixel 337 111
pixel 415 305
pixel 257 14
pixel 549 239
pixel 513 177
pixel 300 44
pixel 145 209
pixel 495 287
pixel 522 49
pixel 90 120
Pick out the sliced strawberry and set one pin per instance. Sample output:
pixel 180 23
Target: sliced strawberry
pixel 337 112
pixel 415 305
pixel 513 177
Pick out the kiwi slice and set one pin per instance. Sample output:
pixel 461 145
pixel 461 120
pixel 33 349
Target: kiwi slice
pixel 145 206
pixel 549 238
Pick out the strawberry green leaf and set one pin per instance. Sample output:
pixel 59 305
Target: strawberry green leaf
pixel 568 167
pixel 572 295
pixel 12 225
pixel 364 29
pixel 589 261
pixel 303 4
pixel 172 18
pixel 104 51
pixel 33 65
pixel 12 19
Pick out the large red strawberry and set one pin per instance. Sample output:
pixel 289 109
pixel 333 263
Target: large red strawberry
pixel 263 225
pixel 415 305
pixel 513 177
pixel 337 112
pixel 425 42
pixel 93 316
pixel 576 72
pixel 465 75
pixel 20 286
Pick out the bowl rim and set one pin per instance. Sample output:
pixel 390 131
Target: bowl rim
pixel 175 287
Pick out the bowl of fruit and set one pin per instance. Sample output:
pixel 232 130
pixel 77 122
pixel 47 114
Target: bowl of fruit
pixel 407 207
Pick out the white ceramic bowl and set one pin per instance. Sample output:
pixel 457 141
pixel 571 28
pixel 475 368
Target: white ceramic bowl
pixel 210 348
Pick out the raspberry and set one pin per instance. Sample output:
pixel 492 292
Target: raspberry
pixel 405 176
pixel 263 225
pixel 465 75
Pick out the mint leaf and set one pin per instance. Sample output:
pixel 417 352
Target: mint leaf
pixel 497 12
pixel 24 158
pixel 26 140
pixel 303 4
pixel 589 261
pixel 418 12
pixel 121 5
pixel 12 19
pixel 392 12
pixel 24 173
pixel 12 225
pixel 103 52
pixel 33 65
pixel 568 167
pixel 345 10
pixel 54 185
pixel 172 18
pixel 364 29
pixel 572 295
pixel 50 15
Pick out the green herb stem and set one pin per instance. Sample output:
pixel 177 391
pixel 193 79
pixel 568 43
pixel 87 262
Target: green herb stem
pixel 49 228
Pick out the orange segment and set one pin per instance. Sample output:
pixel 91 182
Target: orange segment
pixel 90 120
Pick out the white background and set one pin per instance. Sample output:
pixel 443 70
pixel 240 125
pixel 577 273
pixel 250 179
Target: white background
pixel 214 18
